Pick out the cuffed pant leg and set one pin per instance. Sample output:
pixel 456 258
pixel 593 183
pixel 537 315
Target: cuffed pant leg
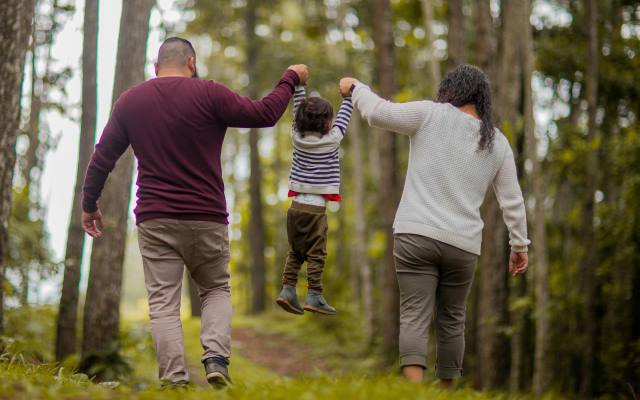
pixel 417 280
pixel 456 277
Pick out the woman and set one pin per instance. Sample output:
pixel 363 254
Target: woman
pixel 456 154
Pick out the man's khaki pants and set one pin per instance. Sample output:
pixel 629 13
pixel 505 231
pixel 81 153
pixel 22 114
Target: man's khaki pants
pixel 167 245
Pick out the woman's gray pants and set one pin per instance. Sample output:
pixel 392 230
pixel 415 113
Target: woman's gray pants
pixel 433 276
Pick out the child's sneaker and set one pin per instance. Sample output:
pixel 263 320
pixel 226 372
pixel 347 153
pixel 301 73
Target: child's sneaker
pixel 288 300
pixel 316 303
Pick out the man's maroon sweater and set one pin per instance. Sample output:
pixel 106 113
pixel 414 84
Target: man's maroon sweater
pixel 176 127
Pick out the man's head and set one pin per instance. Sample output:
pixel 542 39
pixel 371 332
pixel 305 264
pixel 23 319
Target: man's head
pixel 176 56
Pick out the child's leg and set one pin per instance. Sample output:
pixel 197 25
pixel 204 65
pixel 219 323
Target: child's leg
pixel 317 252
pixel 294 258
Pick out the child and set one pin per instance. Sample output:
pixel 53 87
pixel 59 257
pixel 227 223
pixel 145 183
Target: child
pixel 314 180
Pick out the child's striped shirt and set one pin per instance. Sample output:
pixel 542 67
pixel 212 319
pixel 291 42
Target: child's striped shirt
pixel 316 158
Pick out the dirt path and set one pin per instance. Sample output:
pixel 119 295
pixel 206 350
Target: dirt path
pixel 276 353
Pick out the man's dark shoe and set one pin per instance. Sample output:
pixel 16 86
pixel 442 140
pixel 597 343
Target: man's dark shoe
pixel 288 300
pixel 217 374
pixel 317 304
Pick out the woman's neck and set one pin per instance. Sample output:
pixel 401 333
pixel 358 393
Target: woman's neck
pixel 470 109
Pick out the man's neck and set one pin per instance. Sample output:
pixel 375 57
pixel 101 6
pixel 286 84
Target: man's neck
pixel 173 72
pixel 470 109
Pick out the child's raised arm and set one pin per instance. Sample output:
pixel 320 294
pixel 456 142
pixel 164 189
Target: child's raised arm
pixel 344 115
pixel 298 95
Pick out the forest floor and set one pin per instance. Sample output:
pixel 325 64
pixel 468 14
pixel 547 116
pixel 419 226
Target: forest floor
pixel 272 359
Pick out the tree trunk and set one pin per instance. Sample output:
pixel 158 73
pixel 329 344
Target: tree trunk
pixel 493 290
pixel 486 47
pixel 66 333
pixel 433 63
pixel 589 261
pixel 455 37
pixel 360 253
pixel 39 90
pixel 383 39
pixel 102 306
pixel 15 30
pixel 256 221
pixel 540 263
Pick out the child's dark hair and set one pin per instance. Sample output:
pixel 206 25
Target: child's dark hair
pixel 467 84
pixel 314 115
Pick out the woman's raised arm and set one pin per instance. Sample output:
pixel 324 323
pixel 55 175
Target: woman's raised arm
pixel 405 118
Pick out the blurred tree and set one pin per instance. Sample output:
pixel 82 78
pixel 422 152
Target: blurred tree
pixel 17 20
pixel 383 39
pixel 256 219
pixel 66 332
pixel 456 33
pixel 589 260
pixel 101 311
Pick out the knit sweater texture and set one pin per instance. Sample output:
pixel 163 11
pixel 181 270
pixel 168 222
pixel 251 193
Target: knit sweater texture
pixel 447 176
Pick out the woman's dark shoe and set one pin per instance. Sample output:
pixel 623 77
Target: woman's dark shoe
pixel 288 300
pixel 217 374
pixel 317 304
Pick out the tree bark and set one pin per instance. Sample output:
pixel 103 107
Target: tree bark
pixel 540 262
pixel 433 63
pixel 15 30
pixel 383 39
pixel 66 333
pixel 493 289
pixel 455 37
pixel 360 253
pixel 256 221
pixel 589 260
pixel 102 306
pixel 486 48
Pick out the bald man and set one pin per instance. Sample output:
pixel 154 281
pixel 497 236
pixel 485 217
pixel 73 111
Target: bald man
pixel 176 126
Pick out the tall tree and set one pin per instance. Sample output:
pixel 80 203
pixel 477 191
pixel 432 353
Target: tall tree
pixel 17 20
pixel 256 221
pixel 383 39
pixel 492 303
pixel 540 262
pixel 66 341
pixel 455 40
pixel 589 260
pixel 101 311
pixel 360 256
pixel 433 63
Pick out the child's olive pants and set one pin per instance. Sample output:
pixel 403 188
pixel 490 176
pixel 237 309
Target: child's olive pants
pixel 432 276
pixel 307 234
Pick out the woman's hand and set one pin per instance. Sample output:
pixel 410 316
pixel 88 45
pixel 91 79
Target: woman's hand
pixel 518 263
pixel 346 86
pixel 302 71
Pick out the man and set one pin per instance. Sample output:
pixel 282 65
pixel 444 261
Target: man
pixel 176 126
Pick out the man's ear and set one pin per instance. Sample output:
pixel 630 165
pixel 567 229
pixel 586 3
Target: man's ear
pixel 155 67
pixel 191 64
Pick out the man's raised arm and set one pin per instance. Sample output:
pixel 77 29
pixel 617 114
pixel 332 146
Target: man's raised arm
pixel 242 112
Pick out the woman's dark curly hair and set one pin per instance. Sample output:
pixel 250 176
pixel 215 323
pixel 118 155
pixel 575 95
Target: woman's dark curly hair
pixel 314 115
pixel 467 84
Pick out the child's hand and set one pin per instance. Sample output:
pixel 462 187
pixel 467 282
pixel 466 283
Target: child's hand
pixel 302 71
pixel 346 86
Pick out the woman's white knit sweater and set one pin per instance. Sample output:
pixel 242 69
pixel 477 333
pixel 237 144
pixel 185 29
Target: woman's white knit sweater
pixel 447 177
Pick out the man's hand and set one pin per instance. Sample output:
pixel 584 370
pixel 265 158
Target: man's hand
pixel 92 223
pixel 518 263
pixel 346 85
pixel 302 71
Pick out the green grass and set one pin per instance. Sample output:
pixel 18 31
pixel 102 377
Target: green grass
pixel 27 373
